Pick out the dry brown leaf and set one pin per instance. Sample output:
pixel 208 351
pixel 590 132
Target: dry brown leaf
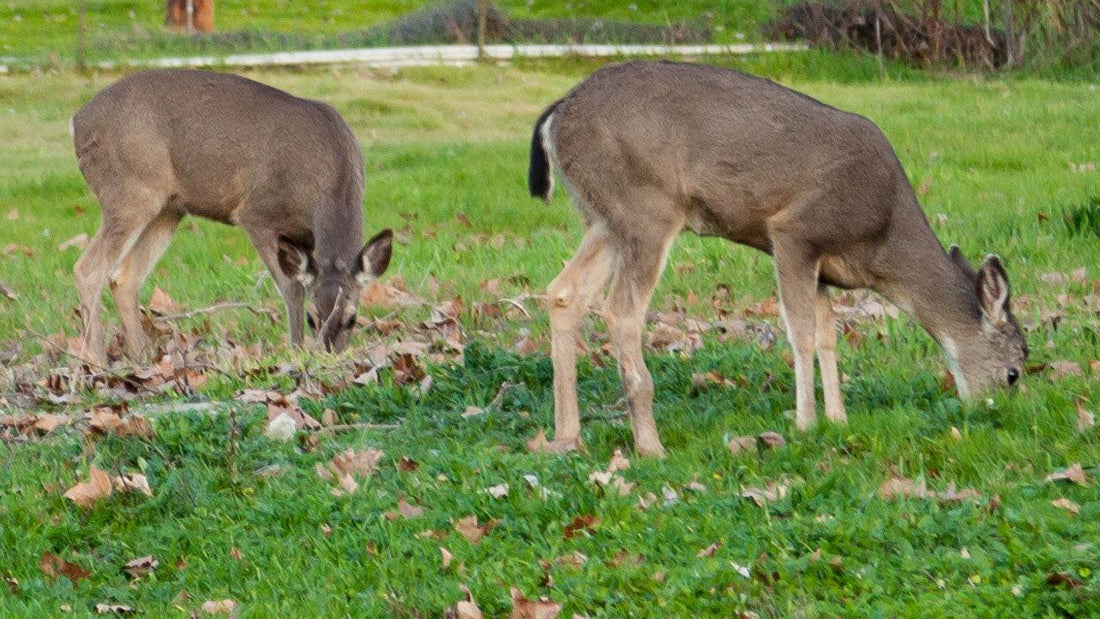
pixel 54 566
pixel 1060 370
pixel 407 464
pixel 618 462
pixel 1075 473
pixel 86 493
pixel 581 524
pixel 1058 579
pixel 471 530
pixel 951 495
pixel 574 560
pixel 896 487
pixel 219 607
pixel 771 492
pixel 346 466
pixel 523 608
pixel 742 445
pixel 1085 419
pixel 404 510
pixel 772 440
pixel 47 423
pixel 709 550
pixel 473 411
pixel 1066 504
pixel 498 491
pixel 446 557
pixel 141 566
pixel 329 418
pixel 467 609
pixel 133 482
pixel 161 304
pixel 79 241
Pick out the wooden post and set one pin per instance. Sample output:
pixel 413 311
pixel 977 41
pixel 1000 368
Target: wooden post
pixel 482 17
pixel 81 27
pixel 189 15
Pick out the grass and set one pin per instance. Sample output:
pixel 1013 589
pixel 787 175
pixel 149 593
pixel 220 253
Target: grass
pixel 992 155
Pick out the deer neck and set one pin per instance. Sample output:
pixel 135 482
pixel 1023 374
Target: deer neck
pixel 931 288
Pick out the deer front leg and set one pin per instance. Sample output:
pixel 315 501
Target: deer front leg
pixel 826 357
pixel 796 270
pixel 569 298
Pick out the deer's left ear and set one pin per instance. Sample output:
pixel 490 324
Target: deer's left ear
pixel 993 290
pixel 295 262
pixel 374 259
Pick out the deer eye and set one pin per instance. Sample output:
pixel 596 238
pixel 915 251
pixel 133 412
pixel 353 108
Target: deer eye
pixel 310 322
pixel 1013 376
pixel 351 322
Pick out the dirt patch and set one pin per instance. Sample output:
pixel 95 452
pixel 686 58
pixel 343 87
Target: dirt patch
pixel 918 40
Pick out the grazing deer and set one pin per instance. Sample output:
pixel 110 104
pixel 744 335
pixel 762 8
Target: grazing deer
pixel 158 145
pixel 648 149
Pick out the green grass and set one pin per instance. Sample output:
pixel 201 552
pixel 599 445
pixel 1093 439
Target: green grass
pixel 996 155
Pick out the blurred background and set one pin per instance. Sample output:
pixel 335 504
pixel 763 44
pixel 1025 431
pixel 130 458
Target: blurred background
pixel 1049 37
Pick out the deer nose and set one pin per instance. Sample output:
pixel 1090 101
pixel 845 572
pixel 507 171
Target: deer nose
pixel 1013 376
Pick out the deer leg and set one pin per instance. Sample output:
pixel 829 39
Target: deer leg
pixel 135 268
pixel 826 356
pixel 636 275
pixel 292 291
pixel 796 269
pixel 569 298
pixel 117 234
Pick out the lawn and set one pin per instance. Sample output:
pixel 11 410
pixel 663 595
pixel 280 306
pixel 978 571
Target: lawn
pixel 237 515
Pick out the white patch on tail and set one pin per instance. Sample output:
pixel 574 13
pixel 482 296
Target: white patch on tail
pixel 72 127
pixel 551 155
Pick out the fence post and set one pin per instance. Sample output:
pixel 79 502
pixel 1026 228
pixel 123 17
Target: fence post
pixel 482 18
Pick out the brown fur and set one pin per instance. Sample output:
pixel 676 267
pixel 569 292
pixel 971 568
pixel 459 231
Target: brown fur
pixel 158 145
pixel 649 149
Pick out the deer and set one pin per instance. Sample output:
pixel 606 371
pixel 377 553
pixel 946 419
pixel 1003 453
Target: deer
pixel 159 145
pixel 649 149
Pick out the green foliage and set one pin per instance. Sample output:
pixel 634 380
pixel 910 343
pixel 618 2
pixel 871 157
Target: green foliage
pixel 1083 218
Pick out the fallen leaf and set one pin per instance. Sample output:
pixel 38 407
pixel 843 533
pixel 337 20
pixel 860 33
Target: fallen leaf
pixel 467 609
pixel 133 482
pixel 79 241
pixel 901 487
pixel 770 493
pixel 498 491
pixel 607 479
pixel 407 464
pixel 618 462
pixel 219 607
pixel 346 466
pixel 574 560
pixel 539 444
pixel 329 418
pixel 446 556
pixel 1063 369
pixel 473 411
pixel 405 510
pixel 161 304
pixel 141 566
pixel 47 423
pixel 955 434
pixel 86 493
pixel 1066 504
pixel 1075 473
pixel 1085 419
pixel 742 444
pixel 471 530
pixel 281 428
pixel 523 608
pixel 772 439
pixel 54 566
pixel 709 550
pixel 581 524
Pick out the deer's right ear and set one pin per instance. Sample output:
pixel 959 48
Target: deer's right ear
pixel 295 262
pixel 374 259
pixel 960 261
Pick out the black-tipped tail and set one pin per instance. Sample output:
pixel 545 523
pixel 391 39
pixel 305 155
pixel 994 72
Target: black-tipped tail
pixel 540 180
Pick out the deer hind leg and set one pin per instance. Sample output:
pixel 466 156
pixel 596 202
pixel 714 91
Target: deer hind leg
pixel 796 270
pixel 569 297
pixel 292 291
pixel 135 268
pixel 637 271
pixel 125 216
pixel 826 356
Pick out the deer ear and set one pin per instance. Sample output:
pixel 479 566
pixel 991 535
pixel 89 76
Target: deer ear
pixel 993 289
pixel 295 262
pixel 375 257
pixel 960 261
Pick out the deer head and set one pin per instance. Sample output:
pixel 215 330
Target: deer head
pixel 333 289
pixel 992 354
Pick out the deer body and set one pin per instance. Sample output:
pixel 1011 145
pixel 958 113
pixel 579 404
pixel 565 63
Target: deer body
pixel 158 145
pixel 649 149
